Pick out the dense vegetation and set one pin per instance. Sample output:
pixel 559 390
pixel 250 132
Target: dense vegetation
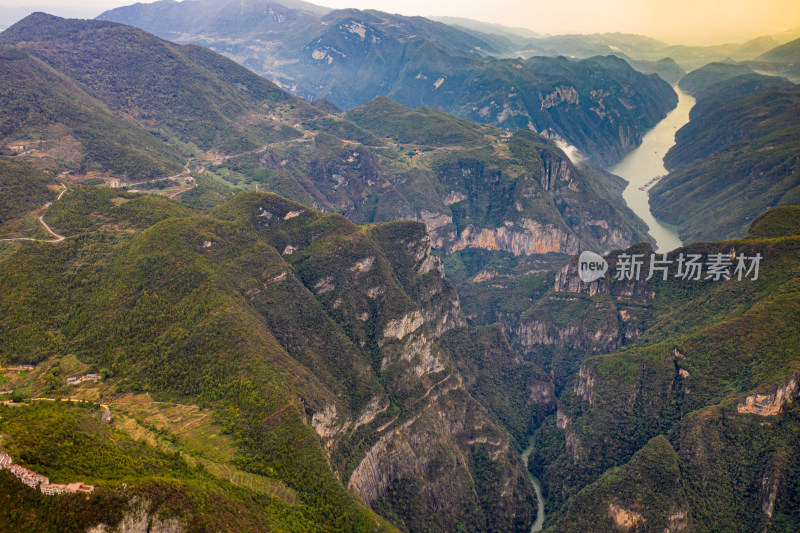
pixel 737 156
pixel 654 379
pixel 68 443
pixel 194 95
pixel 42 104
pixel 22 189
pixel 206 310
pixel 421 126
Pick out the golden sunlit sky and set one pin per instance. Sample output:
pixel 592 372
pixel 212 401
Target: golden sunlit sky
pixel 672 21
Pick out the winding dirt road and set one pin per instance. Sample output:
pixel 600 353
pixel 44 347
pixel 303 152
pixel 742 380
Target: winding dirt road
pixel 58 238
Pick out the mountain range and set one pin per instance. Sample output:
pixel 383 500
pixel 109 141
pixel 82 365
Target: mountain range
pixel 293 358
pixel 377 163
pixel 415 61
pixel 719 183
pixel 324 355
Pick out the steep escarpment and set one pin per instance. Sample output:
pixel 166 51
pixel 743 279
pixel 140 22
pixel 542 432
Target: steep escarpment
pixel 710 377
pixel 719 183
pixel 518 195
pixel 601 105
pixel 474 186
pixel 298 331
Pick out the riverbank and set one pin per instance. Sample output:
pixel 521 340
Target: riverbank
pixel 646 163
pixel 537 488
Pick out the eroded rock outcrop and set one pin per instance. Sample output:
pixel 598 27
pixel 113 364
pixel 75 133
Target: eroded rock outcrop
pixel 526 238
pixel 141 518
pixel 769 404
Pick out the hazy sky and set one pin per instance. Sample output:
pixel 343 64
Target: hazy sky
pixel 674 21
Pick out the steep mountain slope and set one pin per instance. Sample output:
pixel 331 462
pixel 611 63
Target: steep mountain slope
pixel 785 53
pixel 700 80
pixel 666 68
pixel 377 163
pixel 677 399
pixel 416 61
pixel 713 368
pixel 718 183
pixel 194 96
pixel 313 342
pixel 46 111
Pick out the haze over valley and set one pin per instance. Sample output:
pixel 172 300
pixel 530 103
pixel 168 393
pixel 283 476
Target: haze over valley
pixel 274 266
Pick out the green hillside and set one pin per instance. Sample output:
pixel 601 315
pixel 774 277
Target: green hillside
pixel 698 81
pixel 78 132
pixel 69 443
pixel 421 126
pixel 193 95
pixel 719 183
pixel 311 342
pixel 22 189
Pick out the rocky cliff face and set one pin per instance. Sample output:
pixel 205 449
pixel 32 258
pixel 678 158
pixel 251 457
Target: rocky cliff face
pixel 684 376
pixel 529 239
pixel 141 518
pixel 769 404
pixel 576 318
pixel 420 434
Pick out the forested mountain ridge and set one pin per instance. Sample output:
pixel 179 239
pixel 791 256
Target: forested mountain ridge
pixel 377 163
pixel 311 342
pixel 417 61
pixel 737 157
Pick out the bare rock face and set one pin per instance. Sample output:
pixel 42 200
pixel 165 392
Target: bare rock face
pixel 769 404
pixel 437 448
pixel 624 519
pixel 140 519
pixel 400 328
pixel 527 238
pixel 561 94
pixel 584 387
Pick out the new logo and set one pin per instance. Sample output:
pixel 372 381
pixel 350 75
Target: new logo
pixel 591 267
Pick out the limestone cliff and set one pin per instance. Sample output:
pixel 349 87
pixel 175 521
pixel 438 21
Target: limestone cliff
pixel 407 427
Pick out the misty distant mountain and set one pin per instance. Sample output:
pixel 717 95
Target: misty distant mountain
pixel 667 69
pixel 601 107
pixel 488 27
pixel 787 53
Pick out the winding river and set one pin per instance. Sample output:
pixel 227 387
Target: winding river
pixel 640 168
pixel 645 163
pixel 537 488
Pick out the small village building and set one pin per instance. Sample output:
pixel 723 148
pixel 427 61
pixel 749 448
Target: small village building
pixel 52 489
pixel 80 488
pixel 34 480
pixel 5 461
